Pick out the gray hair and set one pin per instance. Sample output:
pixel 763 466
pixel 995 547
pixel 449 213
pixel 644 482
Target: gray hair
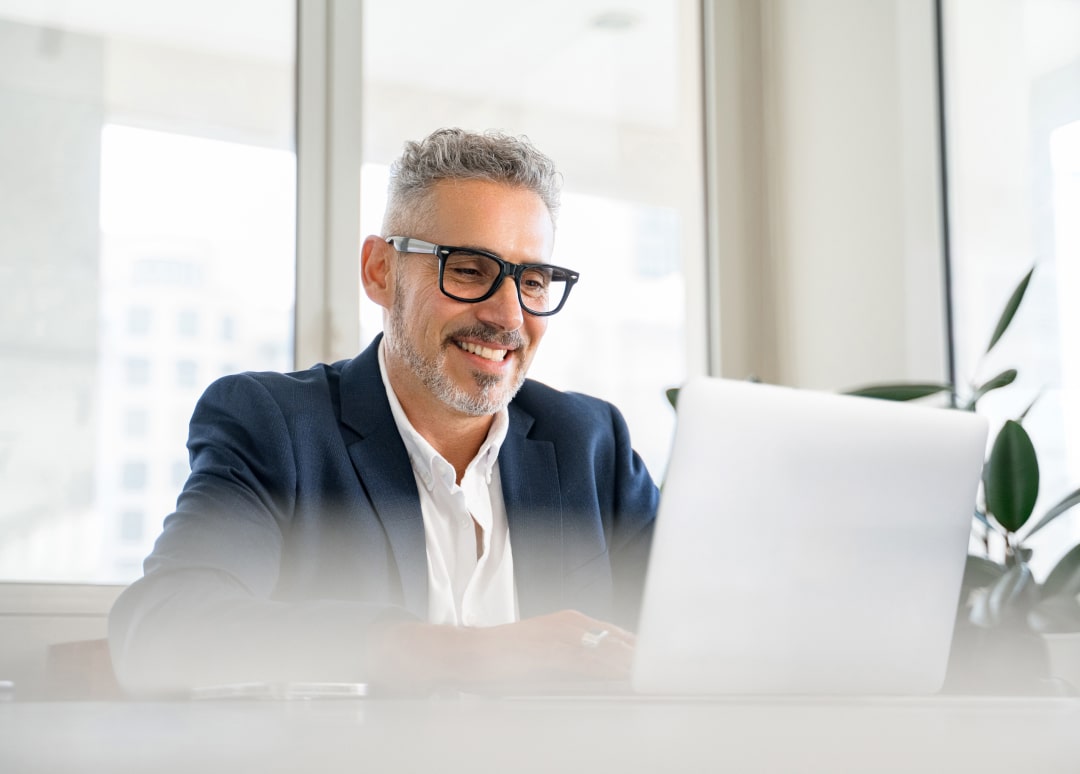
pixel 456 154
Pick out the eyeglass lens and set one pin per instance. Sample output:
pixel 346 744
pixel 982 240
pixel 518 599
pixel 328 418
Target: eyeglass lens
pixel 469 276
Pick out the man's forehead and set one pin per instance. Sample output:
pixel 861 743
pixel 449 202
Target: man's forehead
pixel 487 215
pixel 455 188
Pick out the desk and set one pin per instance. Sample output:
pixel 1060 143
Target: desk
pixel 469 734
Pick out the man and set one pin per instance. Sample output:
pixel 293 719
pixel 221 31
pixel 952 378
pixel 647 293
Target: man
pixel 420 514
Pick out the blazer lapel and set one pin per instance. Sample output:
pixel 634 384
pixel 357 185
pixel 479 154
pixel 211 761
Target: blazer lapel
pixel 530 484
pixel 382 465
pixel 527 471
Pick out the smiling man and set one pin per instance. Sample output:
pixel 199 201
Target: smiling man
pixel 421 514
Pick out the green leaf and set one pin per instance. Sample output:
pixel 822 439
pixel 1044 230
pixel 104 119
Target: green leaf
pixel 672 394
pixel 900 391
pixel 1030 406
pixel 1010 309
pixel 1065 577
pixel 1012 477
pixel 1068 502
pixel 1004 379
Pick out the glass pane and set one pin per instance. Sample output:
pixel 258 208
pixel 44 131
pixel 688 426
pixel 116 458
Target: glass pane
pixel 1013 115
pixel 611 91
pixel 148 161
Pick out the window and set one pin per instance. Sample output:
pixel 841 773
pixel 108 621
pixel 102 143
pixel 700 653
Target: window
pixel 134 476
pixel 180 471
pixel 137 370
pixel 131 526
pixel 187 374
pixel 187 323
pixel 156 170
pixel 136 422
pixel 228 328
pixel 1013 118
pixel 139 318
pixel 148 169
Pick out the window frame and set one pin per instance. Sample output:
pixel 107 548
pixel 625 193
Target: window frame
pixel 328 157
pixel 328 126
pixel 327 120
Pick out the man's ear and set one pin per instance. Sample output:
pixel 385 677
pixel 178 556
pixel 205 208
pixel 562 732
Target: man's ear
pixel 375 273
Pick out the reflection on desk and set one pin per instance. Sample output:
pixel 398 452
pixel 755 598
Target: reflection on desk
pixel 472 734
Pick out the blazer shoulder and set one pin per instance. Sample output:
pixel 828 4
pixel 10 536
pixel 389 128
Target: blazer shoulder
pixel 303 397
pixel 317 379
pixel 570 411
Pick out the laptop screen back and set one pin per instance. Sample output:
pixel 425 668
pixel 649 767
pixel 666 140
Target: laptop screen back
pixel 807 543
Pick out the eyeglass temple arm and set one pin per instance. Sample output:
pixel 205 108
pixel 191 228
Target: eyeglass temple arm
pixel 410 245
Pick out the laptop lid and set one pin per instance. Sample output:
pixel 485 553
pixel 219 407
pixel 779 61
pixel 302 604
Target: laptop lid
pixel 807 543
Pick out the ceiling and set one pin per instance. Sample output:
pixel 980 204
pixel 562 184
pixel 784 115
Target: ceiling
pixel 616 58
pixel 610 58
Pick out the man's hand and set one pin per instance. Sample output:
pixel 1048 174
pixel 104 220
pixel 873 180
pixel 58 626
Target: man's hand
pixel 560 646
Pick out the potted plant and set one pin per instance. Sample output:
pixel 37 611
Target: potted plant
pixel 1005 616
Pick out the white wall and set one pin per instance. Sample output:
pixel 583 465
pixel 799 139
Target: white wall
pixel 830 252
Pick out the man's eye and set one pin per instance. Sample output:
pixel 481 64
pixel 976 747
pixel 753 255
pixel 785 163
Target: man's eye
pixel 536 279
pixel 470 268
pixel 464 271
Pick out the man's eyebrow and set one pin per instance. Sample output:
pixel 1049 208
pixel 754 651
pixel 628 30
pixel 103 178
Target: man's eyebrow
pixel 498 254
pixel 479 248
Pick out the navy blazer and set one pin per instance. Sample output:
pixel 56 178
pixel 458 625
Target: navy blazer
pixel 300 525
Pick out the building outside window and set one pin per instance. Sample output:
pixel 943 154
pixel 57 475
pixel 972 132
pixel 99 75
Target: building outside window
pixel 148 178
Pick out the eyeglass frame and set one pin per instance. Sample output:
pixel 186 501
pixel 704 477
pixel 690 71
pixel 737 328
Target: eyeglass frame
pixel 405 244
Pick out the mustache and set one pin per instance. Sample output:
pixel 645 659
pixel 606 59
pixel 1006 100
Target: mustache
pixel 489 334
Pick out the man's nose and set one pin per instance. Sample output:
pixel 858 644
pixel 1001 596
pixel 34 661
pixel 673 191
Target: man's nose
pixel 503 309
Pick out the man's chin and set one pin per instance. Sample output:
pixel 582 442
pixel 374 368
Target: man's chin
pixel 487 395
pixel 487 403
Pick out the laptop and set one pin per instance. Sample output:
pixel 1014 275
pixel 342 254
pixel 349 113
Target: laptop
pixel 807 544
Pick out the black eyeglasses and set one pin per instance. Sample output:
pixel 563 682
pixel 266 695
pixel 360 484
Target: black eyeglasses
pixel 471 276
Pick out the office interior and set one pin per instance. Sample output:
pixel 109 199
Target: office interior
pixel 815 193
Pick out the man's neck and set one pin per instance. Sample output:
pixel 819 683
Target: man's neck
pixel 457 437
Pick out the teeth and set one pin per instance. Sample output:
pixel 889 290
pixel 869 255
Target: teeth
pixel 488 354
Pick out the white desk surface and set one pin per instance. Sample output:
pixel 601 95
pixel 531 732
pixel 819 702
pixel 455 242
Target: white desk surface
pixel 470 734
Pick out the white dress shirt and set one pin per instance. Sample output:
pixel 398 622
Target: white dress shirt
pixel 463 590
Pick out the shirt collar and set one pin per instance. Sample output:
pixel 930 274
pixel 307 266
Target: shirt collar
pixel 428 464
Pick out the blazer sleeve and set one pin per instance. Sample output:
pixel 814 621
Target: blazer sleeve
pixel 590 551
pixel 206 611
pixel 633 518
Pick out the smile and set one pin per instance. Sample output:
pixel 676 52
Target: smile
pixel 496 355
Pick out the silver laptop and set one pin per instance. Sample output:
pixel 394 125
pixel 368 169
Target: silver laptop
pixel 807 543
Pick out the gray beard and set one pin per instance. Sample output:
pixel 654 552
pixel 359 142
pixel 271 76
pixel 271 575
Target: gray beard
pixel 486 401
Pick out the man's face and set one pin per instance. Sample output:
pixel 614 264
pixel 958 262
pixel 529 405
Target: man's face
pixel 470 358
